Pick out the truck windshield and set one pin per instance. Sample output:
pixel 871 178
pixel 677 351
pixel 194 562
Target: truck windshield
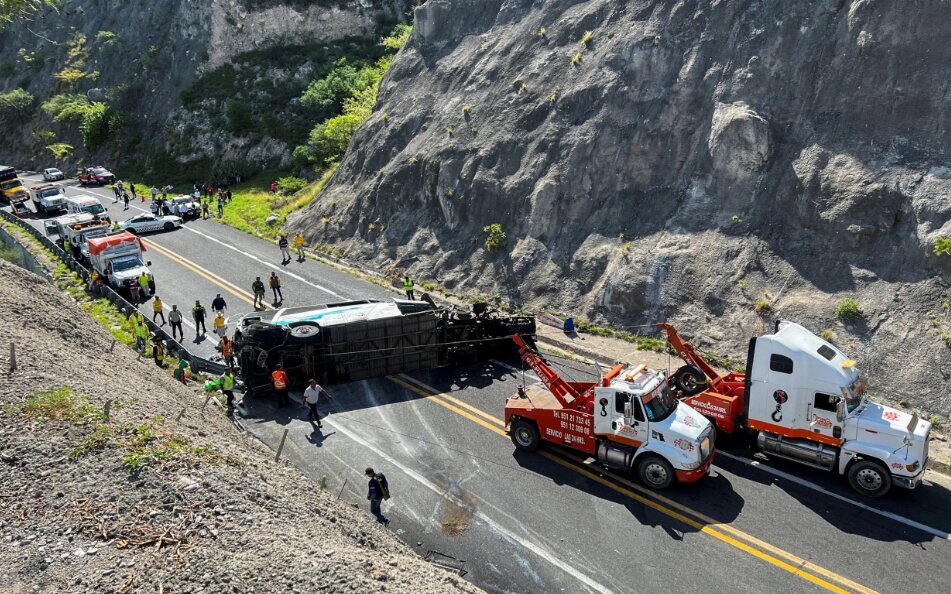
pixel 9 185
pixel 99 171
pixel 659 404
pixel 126 264
pixel 94 208
pixel 49 193
pixel 855 393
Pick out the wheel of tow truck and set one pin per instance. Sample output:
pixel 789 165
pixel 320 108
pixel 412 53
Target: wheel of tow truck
pixel 525 436
pixel 870 478
pixel 690 380
pixel 655 472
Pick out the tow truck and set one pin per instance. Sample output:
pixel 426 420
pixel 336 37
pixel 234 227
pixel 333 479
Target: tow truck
pixel 805 401
pixel 629 421
pixel 118 259
pixel 72 231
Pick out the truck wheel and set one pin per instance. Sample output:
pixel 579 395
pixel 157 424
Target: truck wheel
pixel 690 380
pixel 525 436
pixel 655 472
pixel 870 478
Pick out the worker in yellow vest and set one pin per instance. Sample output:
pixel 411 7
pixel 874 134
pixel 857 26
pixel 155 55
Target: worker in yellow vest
pixel 227 388
pixel 299 246
pixel 408 287
pixel 218 325
pixel 157 309
pixel 141 336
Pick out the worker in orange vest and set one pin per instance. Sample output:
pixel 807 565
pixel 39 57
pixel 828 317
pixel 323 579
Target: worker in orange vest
pixel 279 379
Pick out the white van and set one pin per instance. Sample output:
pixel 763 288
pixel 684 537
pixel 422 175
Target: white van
pixel 84 203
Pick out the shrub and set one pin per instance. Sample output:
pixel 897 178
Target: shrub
pixel 66 107
pixel 942 246
pixel 291 185
pixel 33 60
pixel 107 38
pixel 15 105
pixel 763 306
pixel 240 118
pixel 466 109
pixel 96 126
pixel 848 309
pixel 60 150
pixel 543 32
pixel 576 59
pixel 495 236
pixel 69 76
pixel 946 337
pixel 60 404
pixel 397 37
pixel 587 37
pixel 827 335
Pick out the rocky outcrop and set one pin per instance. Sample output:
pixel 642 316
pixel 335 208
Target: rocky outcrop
pixel 685 161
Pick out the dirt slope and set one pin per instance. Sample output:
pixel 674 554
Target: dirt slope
pixel 209 511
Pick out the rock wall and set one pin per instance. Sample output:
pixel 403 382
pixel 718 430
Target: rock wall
pixel 688 161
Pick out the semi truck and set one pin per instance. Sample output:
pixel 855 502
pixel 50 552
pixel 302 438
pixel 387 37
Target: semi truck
pixel 628 421
pixel 118 260
pixel 11 189
pixel 48 198
pixel 353 340
pixel 804 400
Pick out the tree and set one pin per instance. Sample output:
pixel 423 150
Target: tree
pixel 15 104
pixel 96 126
pixel 240 119
pixel 11 10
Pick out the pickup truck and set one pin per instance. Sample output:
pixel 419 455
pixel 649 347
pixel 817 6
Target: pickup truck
pixel 49 198
pixel 96 176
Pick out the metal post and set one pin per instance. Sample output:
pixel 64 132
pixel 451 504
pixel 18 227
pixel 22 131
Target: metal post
pixel 13 356
pixel 280 448
pixel 107 409
pixel 113 345
pixel 180 415
pixel 340 492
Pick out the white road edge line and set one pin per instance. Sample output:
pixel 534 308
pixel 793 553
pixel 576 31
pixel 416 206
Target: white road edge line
pixel 246 254
pixel 815 487
pixel 512 538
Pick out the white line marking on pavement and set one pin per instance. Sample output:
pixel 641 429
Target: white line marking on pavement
pixel 804 483
pixel 500 530
pixel 253 257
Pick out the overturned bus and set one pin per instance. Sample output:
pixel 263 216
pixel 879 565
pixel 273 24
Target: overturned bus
pixel 354 340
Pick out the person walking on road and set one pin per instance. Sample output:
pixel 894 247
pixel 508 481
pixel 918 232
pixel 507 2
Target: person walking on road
pixel 227 350
pixel 204 209
pixel 279 379
pixel 257 287
pixel 157 309
pixel 377 491
pixel 134 291
pixel 408 287
pixel 285 254
pixel 299 246
pixel 198 313
pixel 218 304
pixel 158 350
pixel 145 283
pixel 117 192
pixel 221 206
pixel 311 397
pixel 275 282
pixel 125 199
pixel 132 189
pixel 175 319
pixel 227 388
pixel 218 325
pixel 154 193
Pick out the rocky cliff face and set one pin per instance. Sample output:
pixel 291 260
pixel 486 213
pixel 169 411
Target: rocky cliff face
pixel 143 56
pixel 687 161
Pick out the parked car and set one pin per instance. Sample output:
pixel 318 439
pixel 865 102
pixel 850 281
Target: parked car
pixel 184 206
pixel 144 223
pixel 96 176
pixel 53 174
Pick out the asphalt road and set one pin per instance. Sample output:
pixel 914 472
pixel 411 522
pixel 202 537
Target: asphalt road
pixel 547 522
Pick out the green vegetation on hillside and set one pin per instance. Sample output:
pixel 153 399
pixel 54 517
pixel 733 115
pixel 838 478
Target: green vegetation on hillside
pixel 15 105
pixel 13 9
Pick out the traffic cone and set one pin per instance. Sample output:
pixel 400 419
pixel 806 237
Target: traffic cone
pixel 142 196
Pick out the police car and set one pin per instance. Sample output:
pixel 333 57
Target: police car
pixel 144 223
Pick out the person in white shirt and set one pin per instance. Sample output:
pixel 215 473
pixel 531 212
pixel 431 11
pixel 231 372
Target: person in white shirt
pixel 311 397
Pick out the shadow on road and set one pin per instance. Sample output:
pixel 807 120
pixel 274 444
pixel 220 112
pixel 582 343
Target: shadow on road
pixel 719 501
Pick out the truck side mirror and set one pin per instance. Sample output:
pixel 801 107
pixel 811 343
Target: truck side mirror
pixel 628 410
pixel 840 410
pixel 148 263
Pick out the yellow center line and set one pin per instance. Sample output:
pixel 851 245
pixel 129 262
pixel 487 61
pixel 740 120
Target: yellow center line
pixel 238 292
pixel 703 523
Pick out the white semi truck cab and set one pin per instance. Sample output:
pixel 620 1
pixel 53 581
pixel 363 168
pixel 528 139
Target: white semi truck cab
pixel 807 401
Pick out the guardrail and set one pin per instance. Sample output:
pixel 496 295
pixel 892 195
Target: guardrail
pixel 194 361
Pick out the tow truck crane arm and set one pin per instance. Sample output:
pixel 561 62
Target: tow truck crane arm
pixel 565 393
pixel 687 352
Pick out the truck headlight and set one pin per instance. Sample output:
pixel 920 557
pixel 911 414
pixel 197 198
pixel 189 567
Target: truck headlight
pixel 913 466
pixel 691 465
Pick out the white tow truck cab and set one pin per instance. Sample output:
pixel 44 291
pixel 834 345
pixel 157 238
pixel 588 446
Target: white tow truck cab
pixel 118 259
pixel 84 203
pixel 74 230
pixel 807 401
pixel 48 198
